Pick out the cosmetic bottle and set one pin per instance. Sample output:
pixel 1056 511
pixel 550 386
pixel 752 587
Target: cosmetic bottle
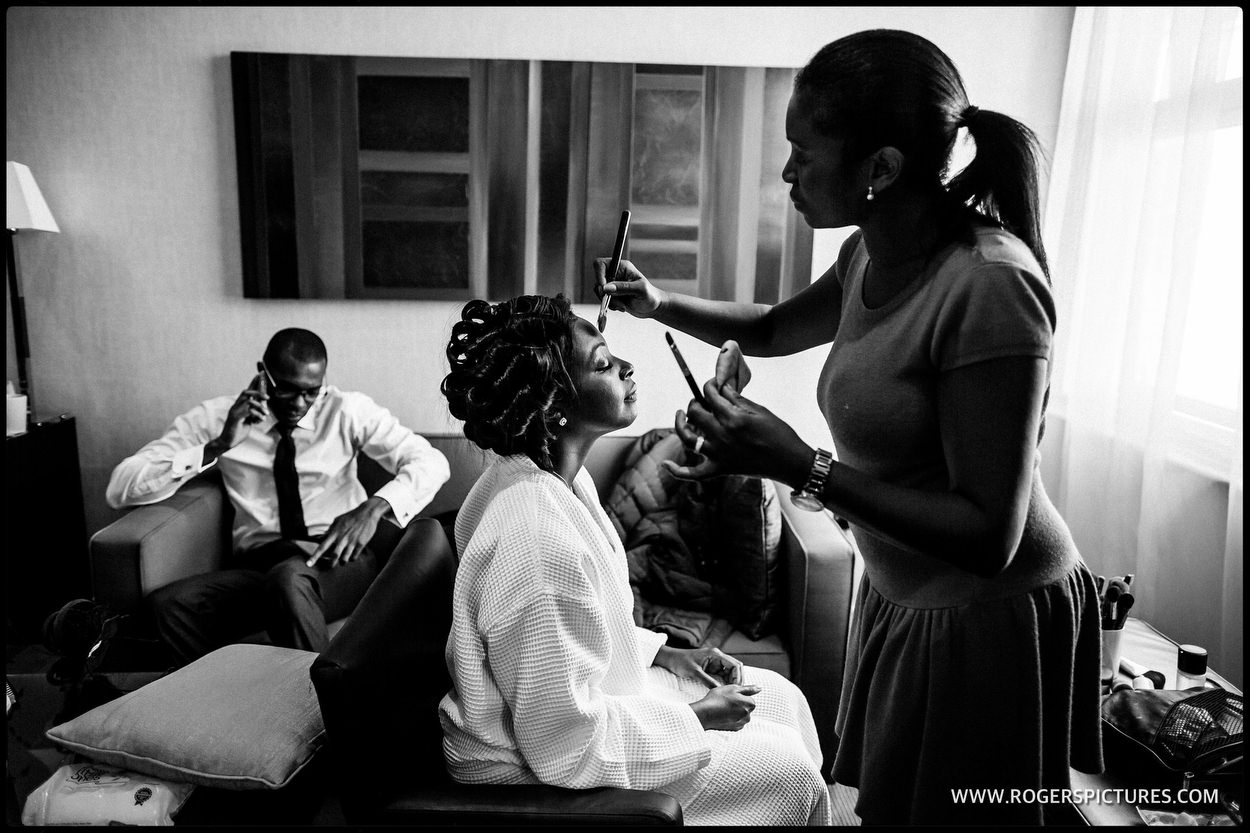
pixel 1191 667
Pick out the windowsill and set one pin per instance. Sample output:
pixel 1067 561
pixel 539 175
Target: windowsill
pixel 1201 446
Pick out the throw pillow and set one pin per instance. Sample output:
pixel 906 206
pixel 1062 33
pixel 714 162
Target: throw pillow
pixel 733 527
pixel 244 717
pixel 699 551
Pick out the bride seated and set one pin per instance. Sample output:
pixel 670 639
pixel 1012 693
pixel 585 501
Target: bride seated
pixel 552 681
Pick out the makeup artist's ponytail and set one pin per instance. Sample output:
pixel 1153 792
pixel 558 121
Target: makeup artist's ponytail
pixel 885 87
pixel 1001 180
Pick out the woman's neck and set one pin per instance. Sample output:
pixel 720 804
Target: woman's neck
pixel 901 237
pixel 568 455
pixel 906 230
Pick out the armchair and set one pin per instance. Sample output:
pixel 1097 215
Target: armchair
pixel 150 546
pixel 185 534
pixel 379 684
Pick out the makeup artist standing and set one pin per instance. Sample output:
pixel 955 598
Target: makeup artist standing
pixel 303 538
pixel 974 656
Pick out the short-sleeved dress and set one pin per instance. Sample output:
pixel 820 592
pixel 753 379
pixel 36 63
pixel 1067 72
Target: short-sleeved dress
pixel 954 681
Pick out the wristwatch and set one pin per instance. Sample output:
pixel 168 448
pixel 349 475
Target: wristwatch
pixel 808 497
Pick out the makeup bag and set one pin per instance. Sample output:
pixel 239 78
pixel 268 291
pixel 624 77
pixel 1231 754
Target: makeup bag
pixel 1176 739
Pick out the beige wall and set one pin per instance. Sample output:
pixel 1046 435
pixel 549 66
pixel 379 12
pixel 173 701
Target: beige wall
pixel 124 117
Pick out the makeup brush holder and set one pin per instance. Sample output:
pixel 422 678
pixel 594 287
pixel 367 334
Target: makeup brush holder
pixel 1110 655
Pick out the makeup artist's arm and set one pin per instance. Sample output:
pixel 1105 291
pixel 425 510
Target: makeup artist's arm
pixel 989 413
pixel 807 319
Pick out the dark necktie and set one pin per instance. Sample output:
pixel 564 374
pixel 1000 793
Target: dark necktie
pixel 290 510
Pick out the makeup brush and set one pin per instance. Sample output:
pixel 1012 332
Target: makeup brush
pixel 1142 676
pixel 614 266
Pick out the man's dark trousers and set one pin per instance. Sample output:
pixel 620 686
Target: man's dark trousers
pixel 268 588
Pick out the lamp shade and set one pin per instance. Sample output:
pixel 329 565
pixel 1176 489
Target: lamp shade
pixel 24 206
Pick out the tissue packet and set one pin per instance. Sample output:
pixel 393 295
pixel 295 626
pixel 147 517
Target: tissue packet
pixel 97 794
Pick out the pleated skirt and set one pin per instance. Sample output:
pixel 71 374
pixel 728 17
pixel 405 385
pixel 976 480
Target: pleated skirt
pixel 971 714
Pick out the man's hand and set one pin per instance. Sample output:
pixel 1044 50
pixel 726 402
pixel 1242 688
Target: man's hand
pixel 250 408
pixel 347 536
pixel 710 665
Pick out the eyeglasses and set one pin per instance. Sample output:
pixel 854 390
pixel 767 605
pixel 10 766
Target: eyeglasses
pixel 287 392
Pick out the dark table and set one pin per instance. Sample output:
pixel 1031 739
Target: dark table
pixel 45 539
pixel 1145 645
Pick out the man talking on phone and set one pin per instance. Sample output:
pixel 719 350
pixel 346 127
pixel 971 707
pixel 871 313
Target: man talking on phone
pixel 286 448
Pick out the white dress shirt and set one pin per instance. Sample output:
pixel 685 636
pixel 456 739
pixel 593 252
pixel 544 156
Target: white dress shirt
pixel 339 425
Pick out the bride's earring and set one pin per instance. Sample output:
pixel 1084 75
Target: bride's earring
pixel 869 193
pixel 563 422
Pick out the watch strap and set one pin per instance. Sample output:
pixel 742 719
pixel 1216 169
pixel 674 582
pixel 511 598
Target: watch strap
pixel 808 497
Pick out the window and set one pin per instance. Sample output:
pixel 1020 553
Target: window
pixel 1208 371
pixel 1213 330
pixel 1144 227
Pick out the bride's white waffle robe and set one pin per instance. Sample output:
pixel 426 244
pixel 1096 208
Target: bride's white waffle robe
pixel 553 681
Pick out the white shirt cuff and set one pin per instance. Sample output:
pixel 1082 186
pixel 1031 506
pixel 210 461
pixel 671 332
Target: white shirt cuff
pixel 403 507
pixel 187 462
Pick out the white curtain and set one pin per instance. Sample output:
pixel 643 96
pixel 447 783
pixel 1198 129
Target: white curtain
pixel 1144 231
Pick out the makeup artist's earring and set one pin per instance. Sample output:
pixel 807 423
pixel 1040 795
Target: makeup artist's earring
pixel 563 422
pixel 869 193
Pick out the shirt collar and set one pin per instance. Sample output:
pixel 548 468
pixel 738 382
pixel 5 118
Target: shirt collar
pixel 307 421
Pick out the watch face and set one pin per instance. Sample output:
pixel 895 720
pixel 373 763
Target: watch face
pixel 807 501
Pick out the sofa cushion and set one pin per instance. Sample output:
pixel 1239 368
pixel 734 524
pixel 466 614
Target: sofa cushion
pixel 769 652
pixel 244 717
pixel 700 552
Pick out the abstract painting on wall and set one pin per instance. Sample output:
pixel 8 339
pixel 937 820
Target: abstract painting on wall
pixel 447 179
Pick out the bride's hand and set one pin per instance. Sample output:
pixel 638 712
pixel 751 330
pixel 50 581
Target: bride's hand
pixel 710 665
